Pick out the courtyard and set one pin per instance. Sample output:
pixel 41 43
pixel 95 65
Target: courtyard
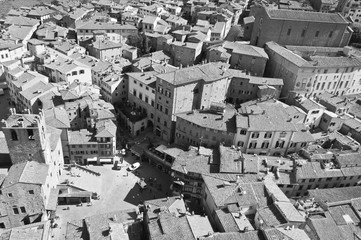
pixel 118 191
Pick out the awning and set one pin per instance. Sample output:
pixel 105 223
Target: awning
pixel 161 147
pixel 102 160
pixel 137 150
pixel 93 159
pixel 76 194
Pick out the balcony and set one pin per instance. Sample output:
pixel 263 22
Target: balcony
pixel 160 157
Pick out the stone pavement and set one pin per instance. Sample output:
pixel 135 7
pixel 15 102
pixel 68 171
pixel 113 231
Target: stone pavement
pixel 119 191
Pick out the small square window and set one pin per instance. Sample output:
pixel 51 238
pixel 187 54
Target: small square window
pixel 31 191
pixel 10 195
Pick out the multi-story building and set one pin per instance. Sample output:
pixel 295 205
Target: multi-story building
pixel 186 54
pixel 105 50
pixel 248 58
pixel 21 79
pixel 265 128
pixel 141 92
pixel 26 194
pixel 244 87
pixel 117 33
pixel 186 89
pixel 30 98
pixel 350 8
pixel 29 138
pixel 61 68
pixel 86 146
pixel 334 103
pixel 313 110
pixel 314 70
pixel 302 28
pixel 327 170
pixel 10 51
pixel 152 10
pixel 208 128
pixel 112 88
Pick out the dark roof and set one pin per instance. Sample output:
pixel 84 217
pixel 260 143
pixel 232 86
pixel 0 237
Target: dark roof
pixel 227 220
pixel 325 228
pixel 172 205
pixel 208 72
pixel 335 195
pixel 292 15
pixel 253 235
pixel 271 216
pixel 26 172
pixel 230 160
pixel 245 194
pixel 98 225
pixel 349 159
pixel 169 227
pixel 211 119
pixel 264 116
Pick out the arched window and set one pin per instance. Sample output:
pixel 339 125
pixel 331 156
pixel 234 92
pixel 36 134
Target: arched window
pixel 14 136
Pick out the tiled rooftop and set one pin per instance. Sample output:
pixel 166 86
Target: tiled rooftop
pixel 306 16
pixel 212 120
pixel 26 172
pixel 335 195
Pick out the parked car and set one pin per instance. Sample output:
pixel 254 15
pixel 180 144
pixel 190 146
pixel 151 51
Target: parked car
pixel 134 166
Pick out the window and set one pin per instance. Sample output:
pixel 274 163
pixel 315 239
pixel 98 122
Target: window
pixel 317 33
pixel 303 144
pixel 22 209
pixel 289 32
pixel 30 134
pixel 165 123
pixel 240 144
pixel 268 135
pixel 243 132
pixel 303 33
pixel 15 210
pixel 10 195
pixel 74 73
pixel 330 35
pixel 293 145
pixel 81 72
pixel 315 112
pixel 14 136
pixel 255 135
pixel 31 191
pixel 265 145
pixel 253 145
